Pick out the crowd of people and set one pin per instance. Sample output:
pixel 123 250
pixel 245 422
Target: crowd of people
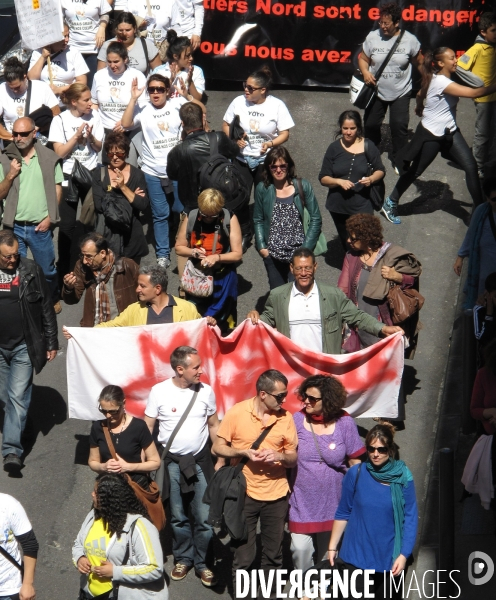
pixel 112 120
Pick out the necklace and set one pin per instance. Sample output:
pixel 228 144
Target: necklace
pixel 122 429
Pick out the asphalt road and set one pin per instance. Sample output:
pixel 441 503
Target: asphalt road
pixel 56 483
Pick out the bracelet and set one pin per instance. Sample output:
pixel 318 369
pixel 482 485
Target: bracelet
pixel 219 257
pixel 332 549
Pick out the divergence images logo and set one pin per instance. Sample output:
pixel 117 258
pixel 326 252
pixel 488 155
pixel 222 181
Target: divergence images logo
pixel 480 568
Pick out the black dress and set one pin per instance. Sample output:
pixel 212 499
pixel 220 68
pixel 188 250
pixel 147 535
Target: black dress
pixel 133 244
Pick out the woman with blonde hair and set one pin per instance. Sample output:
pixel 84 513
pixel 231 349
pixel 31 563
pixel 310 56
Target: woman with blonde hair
pixel 211 238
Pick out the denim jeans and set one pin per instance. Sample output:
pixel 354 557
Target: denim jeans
pixel 11 597
pixel 41 245
pixel 278 272
pixel 16 378
pixel 189 547
pixel 160 212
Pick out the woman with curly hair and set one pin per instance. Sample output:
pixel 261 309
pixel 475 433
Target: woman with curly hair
pixel 278 216
pixel 328 443
pixel 370 269
pixel 117 550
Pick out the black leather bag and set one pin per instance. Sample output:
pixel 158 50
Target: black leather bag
pixel 118 212
pixel 79 183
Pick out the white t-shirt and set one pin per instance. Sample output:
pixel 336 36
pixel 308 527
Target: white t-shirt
pixel 64 126
pixel 13 522
pixel 261 122
pixel 440 108
pixel 161 129
pixel 66 66
pixel 187 17
pixel 305 322
pixel 13 107
pixel 160 20
pixel 198 78
pixel 83 19
pixel 167 403
pixel 112 93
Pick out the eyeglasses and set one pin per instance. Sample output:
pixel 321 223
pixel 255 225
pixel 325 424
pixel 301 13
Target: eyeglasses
pixel 87 256
pixel 303 269
pixel 250 88
pixel 279 397
pixel 22 133
pixel 112 413
pixel 311 399
pixel 10 256
pixel 118 154
pixel 283 167
pixel 386 23
pixel 380 449
pixel 156 90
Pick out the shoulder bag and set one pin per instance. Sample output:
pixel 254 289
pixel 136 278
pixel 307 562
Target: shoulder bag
pixel 150 498
pixel 403 304
pixel 11 559
pixel 377 190
pixel 159 474
pixel 42 116
pixel 361 95
pixel 226 494
pixel 321 246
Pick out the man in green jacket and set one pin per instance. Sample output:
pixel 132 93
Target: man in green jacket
pixel 311 314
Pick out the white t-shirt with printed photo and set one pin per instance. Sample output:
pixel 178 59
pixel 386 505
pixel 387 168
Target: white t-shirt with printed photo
pixel 161 129
pixel 112 93
pixel 160 20
pixel 440 108
pixel 66 66
pixel 167 403
pixel 83 19
pixel 13 522
pixel 187 17
pixel 12 107
pixel 261 122
pixel 198 78
pixel 64 126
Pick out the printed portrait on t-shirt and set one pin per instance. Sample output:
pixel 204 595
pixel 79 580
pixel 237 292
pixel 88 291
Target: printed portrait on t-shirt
pixel 80 13
pixel 163 126
pixel 20 111
pixel 254 125
pixel 115 94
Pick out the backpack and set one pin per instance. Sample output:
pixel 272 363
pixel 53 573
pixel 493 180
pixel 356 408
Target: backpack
pixel 223 175
pixel 193 215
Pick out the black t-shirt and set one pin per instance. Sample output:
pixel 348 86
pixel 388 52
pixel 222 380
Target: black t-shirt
pixel 341 164
pixel 165 316
pixel 11 334
pixel 128 444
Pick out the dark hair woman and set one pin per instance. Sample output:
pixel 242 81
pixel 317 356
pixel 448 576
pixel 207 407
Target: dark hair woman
pixel 268 129
pixel 395 85
pixel 369 269
pixel 126 184
pixel 328 443
pixel 345 171
pixel 142 52
pixel 380 534
pixel 437 131
pixel 179 66
pixel 278 217
pixel 117 547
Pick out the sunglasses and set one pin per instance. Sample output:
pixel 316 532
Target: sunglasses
pixel 207 216
pixel 120 155
pixel 311 399
pixel 283 167
pixel 22 133
pixel 250 88
pixel 112 413
pixel 279 397
pixel 380 449
pixel 156 90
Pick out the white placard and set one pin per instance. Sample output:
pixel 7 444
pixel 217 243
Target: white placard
pixel 40 22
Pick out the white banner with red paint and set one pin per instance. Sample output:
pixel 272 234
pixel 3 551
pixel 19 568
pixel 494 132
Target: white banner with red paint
pixel 136 358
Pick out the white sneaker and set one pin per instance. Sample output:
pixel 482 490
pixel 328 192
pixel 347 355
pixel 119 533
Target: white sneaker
pixel 164 261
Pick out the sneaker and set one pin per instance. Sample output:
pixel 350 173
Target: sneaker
pixel 12 463
pixel 207 577
pixel 57 307
pixel 179 572
pixel 389 209
pixel 164 261
pixel 395 169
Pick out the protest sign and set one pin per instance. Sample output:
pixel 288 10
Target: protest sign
pixel 40 22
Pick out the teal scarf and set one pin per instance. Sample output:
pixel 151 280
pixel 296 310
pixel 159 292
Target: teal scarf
pixel 396 474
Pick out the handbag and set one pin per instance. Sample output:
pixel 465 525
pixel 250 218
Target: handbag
pixel 403 303
pixel 42 116
pixel 321 245
pixel 199 281
pixel 361 95
pixel 12 560
pixel 378 189
pixel 150 499
pixel 159 474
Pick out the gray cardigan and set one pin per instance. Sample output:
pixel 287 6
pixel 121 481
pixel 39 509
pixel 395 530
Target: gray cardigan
pixel 142 578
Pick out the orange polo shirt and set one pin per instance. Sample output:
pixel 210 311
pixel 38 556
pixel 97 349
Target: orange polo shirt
pixel 241 426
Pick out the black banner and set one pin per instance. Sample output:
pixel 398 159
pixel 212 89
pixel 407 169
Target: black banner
pixel 317 42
